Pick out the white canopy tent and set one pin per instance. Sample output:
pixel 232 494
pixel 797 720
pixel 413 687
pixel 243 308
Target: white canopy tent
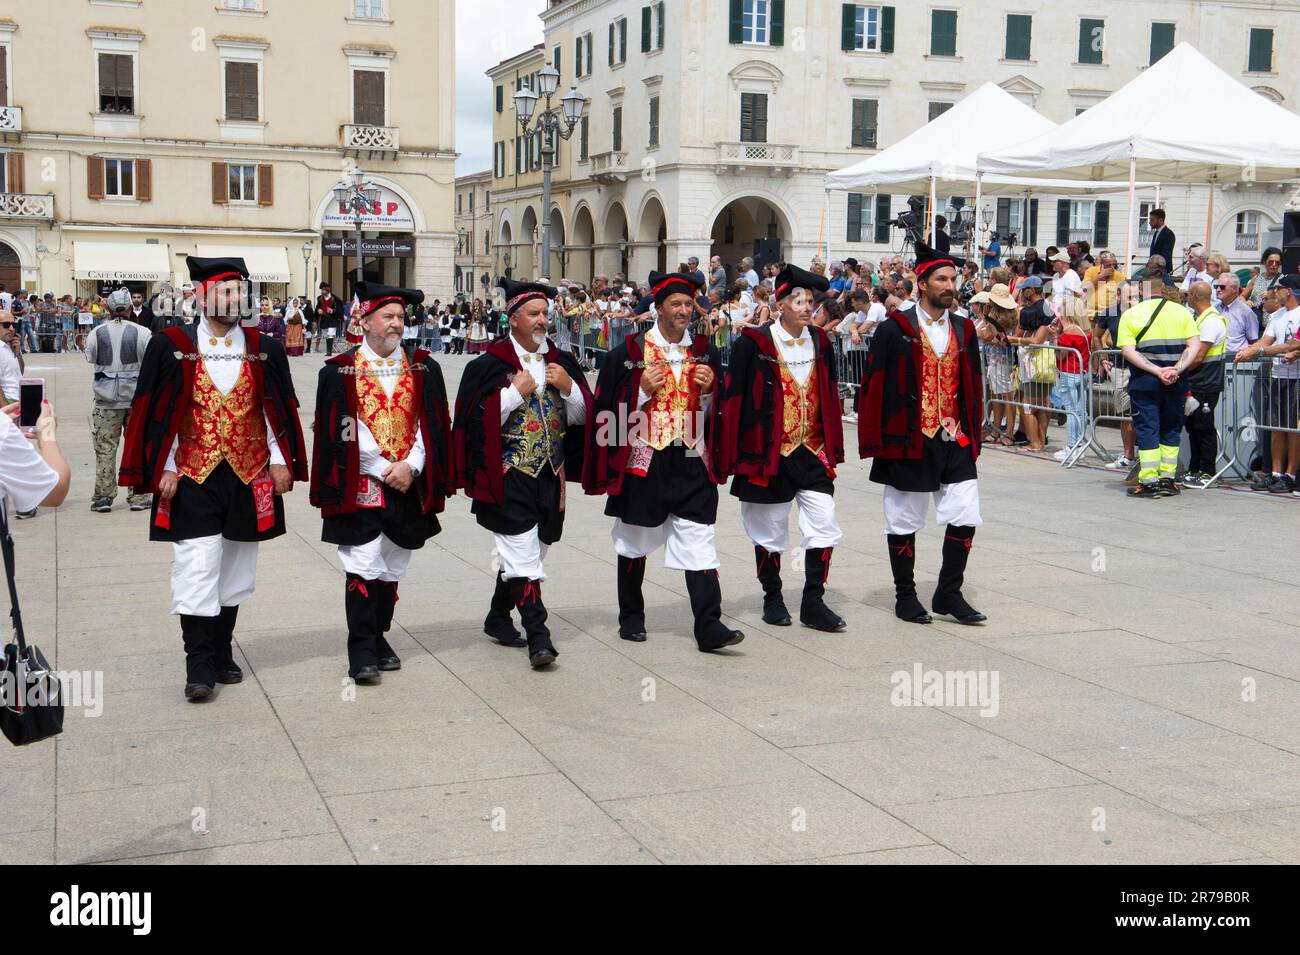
pixel 1133 133
pixel 946 148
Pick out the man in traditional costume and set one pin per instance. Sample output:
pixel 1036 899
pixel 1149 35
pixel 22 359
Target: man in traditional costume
pixel 380 467
pixel 783 436
pixel 649 449
pixel 921 416
pixel 518 439
pixel 214 435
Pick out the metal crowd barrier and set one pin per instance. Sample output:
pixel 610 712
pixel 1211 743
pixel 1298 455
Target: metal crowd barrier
pixel 1009 365
pixel 1107 394
pixel 1258 396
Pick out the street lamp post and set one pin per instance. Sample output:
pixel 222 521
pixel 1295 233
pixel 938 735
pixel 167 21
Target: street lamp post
pixel 306 275
pixel 550 122
pixel 357 196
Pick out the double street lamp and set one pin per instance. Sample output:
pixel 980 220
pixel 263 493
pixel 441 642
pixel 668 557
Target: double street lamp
pixel 357 196
pixel 550 122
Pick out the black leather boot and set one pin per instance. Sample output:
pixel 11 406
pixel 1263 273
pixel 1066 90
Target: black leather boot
pixel 902 560
pixel 631 602
pixel 769 575
pixel 200 669
pixel 387 601
pixel 498 624
pixel 527 595
pixel 947 595
pixel 361 600
pixel 223 653
pixel 706 603
pixel 813 611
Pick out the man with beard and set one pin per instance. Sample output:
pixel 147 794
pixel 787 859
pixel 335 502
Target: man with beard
pixel 379 467
pixel 518 439
pixel 213 433
pixel 921 418
pixel 650 451
pixel 783 436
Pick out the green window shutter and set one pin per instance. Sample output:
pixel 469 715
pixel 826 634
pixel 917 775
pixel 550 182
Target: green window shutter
pixel 1003 221
pixel 855 217
pixel 622 40
pixel 555 61
pixel 736 22
pixel 1019 36
pixel 865 112
pixel 1261 51
pixel 645 29
pixel 1091 38
pixel 618 128
pixel 1162 40
pixel 1101 224
pixel 611 44
pixel 501 98
pixel 776 30
pixel 886 29
pixel 882 218
pixel 577 57
pixel 848 27
pixel 943 32
pixel 1033 222
pixel 588 65
pixel 1062 223
pixel 659 39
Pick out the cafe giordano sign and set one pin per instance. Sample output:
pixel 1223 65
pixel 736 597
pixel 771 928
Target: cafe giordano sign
pixel 393 211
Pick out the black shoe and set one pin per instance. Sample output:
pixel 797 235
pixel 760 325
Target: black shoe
pixel 1265 483
pixel 230 676
pixel 367 674
pixel 1283 485
pixel 948 600
pixel 194 692
pixel 638 637
pixel 706 605
pixel 769 575
pixel 719 640
pixel 813 611
pixel 527 595
pixel 138 506
pixel 498 624
pixel 25 515
pixel 1168 487
pixel 101 507
pixel 541 658
pixel 1145 490
pixel 902 562
pixel 390 663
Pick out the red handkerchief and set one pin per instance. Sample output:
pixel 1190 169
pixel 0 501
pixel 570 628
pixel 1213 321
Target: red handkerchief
pixel 264 501
pixel 370 493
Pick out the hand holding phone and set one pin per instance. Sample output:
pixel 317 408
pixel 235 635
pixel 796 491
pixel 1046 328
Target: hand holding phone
pixel 31 395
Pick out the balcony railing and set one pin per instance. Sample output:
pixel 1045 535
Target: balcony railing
pixel 375 138
pixel 26 205
pixel 1248 242
pixel 776 157
pixel 1144 238
pixel 609 167
pixel 1081 235
pixel 11 119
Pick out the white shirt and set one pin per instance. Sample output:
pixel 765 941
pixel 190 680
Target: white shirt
pixel 372 458
pixel 1214 329
pixel 751 278
pixel 224 373
pixel 6 302
pixel 575 406
pixel 937 330
pixel 797 353
pixel 1282 328
pixel 24 475
pixel 10 376
pixel 1065 286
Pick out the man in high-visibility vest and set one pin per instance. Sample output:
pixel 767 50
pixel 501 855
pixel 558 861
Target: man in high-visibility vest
pixel 1159 340
pixel 1205 381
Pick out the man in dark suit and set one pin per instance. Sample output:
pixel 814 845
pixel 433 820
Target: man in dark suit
pixel 1162 239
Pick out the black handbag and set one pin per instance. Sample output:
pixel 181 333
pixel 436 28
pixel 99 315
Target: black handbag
pixel 31 706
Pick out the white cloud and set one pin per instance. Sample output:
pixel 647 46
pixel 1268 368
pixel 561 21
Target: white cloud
pixel 487 32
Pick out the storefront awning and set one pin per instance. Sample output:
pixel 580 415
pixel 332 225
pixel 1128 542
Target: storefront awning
pixel 268 264
pixel 120 262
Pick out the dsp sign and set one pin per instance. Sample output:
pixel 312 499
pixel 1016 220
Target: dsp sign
pixel 389 212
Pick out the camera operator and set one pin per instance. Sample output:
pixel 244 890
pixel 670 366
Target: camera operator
pixel 31 476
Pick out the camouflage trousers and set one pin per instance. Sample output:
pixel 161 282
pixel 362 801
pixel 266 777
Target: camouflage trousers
pixel 106 426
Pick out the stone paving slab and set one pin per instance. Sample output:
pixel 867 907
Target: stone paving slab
pixel 1147 653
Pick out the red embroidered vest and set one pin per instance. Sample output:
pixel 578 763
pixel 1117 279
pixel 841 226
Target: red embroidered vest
pixel 801 416
pixel 674 409
pixel 391 419
pixel 939 382
pixel 221 427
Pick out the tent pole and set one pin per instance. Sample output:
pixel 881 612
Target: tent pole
pixel 1131 238
pixel 1209 214
pixel 979 189
pixel 934 210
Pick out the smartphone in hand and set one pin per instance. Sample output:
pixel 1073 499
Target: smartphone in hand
pixel 31 395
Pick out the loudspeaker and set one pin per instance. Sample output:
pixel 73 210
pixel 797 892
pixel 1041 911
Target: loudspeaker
pixel 767 251
pixel 1290 229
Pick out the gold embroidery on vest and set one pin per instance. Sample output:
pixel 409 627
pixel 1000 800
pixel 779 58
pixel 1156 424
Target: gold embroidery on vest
pixel 938 384
pixel 532 439
pixel 223 427
pixel 801 420
pixel 673 404
pixel 390 419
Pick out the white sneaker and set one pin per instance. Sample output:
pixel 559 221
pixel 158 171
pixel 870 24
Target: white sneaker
pixel 1062 454
pixel 1121 463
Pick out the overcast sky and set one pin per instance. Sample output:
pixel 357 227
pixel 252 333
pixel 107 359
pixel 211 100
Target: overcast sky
pixel 487 32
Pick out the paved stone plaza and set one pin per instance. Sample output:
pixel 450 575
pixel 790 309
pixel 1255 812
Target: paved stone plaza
pixel 1147 659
